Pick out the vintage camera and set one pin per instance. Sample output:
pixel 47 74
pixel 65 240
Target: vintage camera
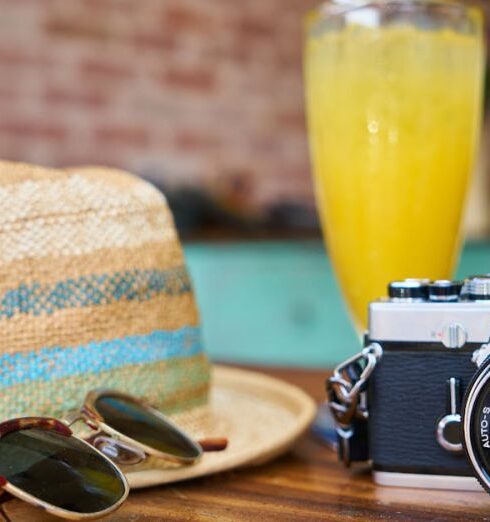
pixel 416 401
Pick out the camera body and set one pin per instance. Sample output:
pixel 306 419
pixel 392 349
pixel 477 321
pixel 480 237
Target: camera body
pixel 428 338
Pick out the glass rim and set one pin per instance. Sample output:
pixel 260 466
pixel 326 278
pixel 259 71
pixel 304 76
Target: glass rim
pixel 332 8
pixel 55 426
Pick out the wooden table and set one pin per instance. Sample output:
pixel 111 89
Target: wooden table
pixel 306 484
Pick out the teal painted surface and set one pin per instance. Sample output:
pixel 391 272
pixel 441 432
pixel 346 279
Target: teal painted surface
pixel 277 303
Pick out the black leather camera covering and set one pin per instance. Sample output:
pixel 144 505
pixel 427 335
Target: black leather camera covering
pixel 407 397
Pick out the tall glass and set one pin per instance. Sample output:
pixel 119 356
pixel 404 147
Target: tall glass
pixel 394 101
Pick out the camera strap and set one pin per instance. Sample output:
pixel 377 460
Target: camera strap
pixel 347 399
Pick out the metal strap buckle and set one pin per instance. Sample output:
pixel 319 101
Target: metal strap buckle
pixel 346 393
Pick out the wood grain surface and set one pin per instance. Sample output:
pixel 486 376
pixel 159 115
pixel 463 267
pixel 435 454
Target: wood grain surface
pixel 306 484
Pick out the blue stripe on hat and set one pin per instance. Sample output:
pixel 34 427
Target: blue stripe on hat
pixel 93 290
pixel 48 364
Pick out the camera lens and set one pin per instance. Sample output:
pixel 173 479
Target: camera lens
pixel 409 289
pixel 476 424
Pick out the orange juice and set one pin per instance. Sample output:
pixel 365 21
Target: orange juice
pixel 394 116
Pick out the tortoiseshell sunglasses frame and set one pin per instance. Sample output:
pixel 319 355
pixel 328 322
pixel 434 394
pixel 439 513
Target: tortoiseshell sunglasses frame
pixel 94 420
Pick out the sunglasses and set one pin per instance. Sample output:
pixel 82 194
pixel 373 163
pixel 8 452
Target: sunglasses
pixel 43 463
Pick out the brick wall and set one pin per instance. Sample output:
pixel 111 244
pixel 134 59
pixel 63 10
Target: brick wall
pixel 206 91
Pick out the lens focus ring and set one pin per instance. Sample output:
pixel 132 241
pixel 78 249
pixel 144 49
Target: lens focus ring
pixel 476 424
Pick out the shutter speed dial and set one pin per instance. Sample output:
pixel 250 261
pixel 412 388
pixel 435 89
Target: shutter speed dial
pixel 444 291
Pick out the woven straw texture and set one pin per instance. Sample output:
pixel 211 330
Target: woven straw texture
pixel 94 292
pixel 261 417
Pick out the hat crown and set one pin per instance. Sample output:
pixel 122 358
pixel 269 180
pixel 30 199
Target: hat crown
pixel 94 292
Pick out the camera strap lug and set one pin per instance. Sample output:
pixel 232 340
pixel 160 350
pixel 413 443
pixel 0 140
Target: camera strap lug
pixel 481 355
pixel 347 399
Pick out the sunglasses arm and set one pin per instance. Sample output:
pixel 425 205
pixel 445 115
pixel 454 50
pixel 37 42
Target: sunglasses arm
pixel 213 444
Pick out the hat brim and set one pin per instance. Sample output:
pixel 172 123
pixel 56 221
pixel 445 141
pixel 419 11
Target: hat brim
pixel 261 416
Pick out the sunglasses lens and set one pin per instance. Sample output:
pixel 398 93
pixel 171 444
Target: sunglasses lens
pixel 140 424
pixel 62 471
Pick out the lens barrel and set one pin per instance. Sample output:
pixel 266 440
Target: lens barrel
pixel 476 424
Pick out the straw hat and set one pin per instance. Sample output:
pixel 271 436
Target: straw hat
pixel 94 292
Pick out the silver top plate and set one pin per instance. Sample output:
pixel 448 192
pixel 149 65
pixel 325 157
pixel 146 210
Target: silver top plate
pixel 428 321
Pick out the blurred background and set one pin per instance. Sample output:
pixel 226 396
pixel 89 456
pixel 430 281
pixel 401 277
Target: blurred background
pixel 204 98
